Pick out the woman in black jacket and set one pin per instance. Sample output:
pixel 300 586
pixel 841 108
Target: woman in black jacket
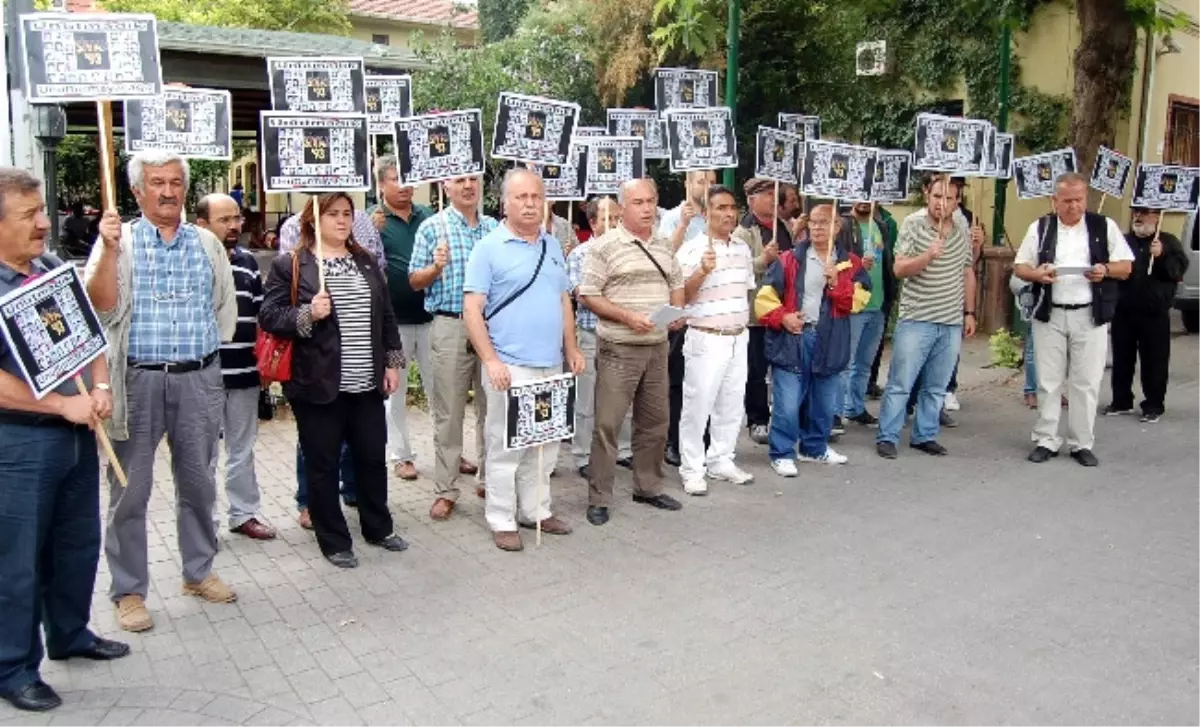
pixel 346 358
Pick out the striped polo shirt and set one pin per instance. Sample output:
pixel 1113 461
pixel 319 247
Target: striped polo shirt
pixel 618 268
pixel 721 302
pixel 239 367
pixel 936 294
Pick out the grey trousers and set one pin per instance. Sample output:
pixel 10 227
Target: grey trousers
pixel 187 408
pixel 415 341
pixel 240 427
pixel 585 407
pixel 456 371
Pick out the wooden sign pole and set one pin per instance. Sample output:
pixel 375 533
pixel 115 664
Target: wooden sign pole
pixel 320 250
pixel 1157 232
pixel 540 483
pixel 1103 199
pixel 775 217
pixel 547 217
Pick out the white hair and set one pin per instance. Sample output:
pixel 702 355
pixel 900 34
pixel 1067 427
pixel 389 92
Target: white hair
pixel 385 163
pixel 629 183
pixel 154 158
pixel 513 174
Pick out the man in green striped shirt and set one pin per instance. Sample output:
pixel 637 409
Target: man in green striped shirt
pixel 937 308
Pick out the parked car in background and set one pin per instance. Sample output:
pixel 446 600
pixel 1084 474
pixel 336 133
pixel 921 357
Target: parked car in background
pixel 1187 295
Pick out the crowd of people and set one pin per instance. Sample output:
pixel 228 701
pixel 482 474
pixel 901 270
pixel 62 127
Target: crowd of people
pixel 791 293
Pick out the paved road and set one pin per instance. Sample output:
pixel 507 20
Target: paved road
pixel 975 588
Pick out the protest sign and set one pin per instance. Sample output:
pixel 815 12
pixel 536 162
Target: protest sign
pixel 612 161
pixel 314 152
pixel 684 88
pixel 778 155
pixel 436 147
pixel 90 57
pixel 566 181
pixel 951 145
pixel 533 129
pixel 838 171
pixel 193 123
pixel 803 126
pixel 1035 175
pixel 1110 173
pixel 893 169
pixel 1002 157
pixel 701 139
pixel 582 131
pixel 317 84
pixel 539 412
pixel 645 123
pixel 1166 187
pixel 389 98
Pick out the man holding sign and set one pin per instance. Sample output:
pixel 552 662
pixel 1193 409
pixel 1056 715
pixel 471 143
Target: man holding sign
pixel 518 314
pixel 50 465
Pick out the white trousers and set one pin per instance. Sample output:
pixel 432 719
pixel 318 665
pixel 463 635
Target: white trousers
pixel 714 389
pixel 512 477
pixel 585 407
pixel 1070 351
pixel 415 340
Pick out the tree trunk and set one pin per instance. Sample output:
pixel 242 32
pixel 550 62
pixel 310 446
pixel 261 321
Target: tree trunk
pixel 1104 65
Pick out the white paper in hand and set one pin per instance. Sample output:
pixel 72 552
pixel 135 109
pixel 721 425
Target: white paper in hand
pixel 666 315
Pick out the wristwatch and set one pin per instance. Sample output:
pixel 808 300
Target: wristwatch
pixel 969 313
pixel 102 387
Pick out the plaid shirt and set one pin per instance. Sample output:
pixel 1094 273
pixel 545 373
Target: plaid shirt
pixel 584 317
pixel 446 293
pixel 364 233
pixel 172 297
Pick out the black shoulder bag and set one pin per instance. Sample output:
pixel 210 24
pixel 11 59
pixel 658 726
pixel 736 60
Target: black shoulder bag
pixel 508 301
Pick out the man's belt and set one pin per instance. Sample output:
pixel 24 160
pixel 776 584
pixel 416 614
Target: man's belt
pixel 447 314
pixel 31 419
pixel 735 331
pixel 176 367
pixel 1071 306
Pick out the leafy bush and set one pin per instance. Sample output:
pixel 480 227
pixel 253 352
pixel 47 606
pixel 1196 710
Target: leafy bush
pixel 1006 349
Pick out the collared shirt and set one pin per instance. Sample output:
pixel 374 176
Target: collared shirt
pixel 814 285
pixel 172 298
pixel 619 268
pixel 721 301
pixel 399 236
pixel 446 293
pixel 239 366
pixel 529 330
pixel 584 317
pixel 1072 250
pixel 363 230
pixel 671 221
pixel 934 295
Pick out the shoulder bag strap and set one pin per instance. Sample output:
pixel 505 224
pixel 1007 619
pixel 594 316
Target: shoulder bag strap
pixel 646 252
pixel 295 277
pixel 519 293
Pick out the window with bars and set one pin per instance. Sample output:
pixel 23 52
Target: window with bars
pixel 1183 134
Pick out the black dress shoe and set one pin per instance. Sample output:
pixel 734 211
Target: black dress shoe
pixel 1041 454
pixel 34 697
pixel 930 447
pixel 626 462
pixel 671 457
pixel 344 559
pixel 887 450
pixel 945 420
pixel 393 542
pixel 1085 458
pixel 585 472
pixel 662 502
pixel 350 501
pixel 100 650
pixel 597 515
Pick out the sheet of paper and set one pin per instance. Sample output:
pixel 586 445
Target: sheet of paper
pixel 1066 270
pixel 666 315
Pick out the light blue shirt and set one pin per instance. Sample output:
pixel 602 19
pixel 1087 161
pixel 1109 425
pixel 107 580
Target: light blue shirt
pixel 674 218
pixel 529 331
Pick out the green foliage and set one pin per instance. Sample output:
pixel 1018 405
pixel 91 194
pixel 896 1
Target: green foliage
pixel 691 27
pixel 499 19
pixel 1006 349
pixel 316 16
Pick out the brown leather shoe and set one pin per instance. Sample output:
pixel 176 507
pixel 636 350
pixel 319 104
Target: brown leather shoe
pixel 254 530
pixel 211 589
pixel 552 526
pixel 305 519
pixel 466 468
pixel 481 492
pixel 132 614
pixel 406 471
pixel 1031 401
pixel 509 541
pixel 442 509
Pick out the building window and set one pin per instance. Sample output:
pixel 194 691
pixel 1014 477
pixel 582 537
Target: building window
pixel 1183 133
pixel 381 39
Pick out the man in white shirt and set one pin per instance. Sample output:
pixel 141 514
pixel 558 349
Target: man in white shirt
pixel 1074 258
pixel 718 271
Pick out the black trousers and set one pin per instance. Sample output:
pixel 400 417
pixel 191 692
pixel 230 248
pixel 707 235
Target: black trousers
pixel 758 408
pixel 359 420
pixel 675 375
pixel 1141 338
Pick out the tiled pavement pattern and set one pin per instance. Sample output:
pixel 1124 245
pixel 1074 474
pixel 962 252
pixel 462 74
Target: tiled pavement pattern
pixel 968 589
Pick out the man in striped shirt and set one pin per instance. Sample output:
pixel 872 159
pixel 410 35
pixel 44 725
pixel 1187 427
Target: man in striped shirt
pixel 718 271
pixel 937 308
pixel 220 215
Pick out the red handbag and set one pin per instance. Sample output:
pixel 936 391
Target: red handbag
pixel 274 353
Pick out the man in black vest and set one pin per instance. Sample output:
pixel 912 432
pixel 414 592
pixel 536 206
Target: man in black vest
pixel 1141 328
pixel 1074 258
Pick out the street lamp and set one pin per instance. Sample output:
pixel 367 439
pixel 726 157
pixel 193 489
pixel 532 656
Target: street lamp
pixel 49 128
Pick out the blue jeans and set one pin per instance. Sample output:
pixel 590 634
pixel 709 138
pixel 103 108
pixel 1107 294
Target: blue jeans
pixel 1030 364
pixel 866 331
pixel 917 345
pixel 346 465
pixel 802 406
pixel 49 545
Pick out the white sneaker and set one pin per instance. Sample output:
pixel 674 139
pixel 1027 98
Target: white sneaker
pixel 829 456
pixel 951 403
pixel 731 473
pixel 784 467
pixel 697 486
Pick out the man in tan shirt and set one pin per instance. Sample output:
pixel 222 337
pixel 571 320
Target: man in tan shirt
pixel 630 273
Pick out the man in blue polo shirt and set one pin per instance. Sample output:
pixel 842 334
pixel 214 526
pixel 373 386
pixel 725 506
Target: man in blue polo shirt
pixel 517 309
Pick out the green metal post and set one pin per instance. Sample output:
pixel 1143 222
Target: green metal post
pixel 731 71
pixel 1002 125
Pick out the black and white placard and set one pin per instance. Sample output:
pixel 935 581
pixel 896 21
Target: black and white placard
pixel 645 123
pixel 51 329
pixel 566 181
pixel 314 152
pixel 804 126
pixel 1110 173
pixel 952 145
pixel 684 88
pixel 611 161
pixel 320 85
pixel 90 57
pixel 893 170
pixel 583 131
pixel 191 122
pixel 436 147
pixel 539 412
pixel 389 98
pixel 1166 187
pixel 838 171
pixel 533 129
pixel 1002 156
pixel 778 155
pixel 701 139
pixel 1035 175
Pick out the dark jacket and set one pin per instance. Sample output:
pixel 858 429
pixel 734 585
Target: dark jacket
pixel 317 358
pixel 1104 293
pixel 238 355
pixel 1147 291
